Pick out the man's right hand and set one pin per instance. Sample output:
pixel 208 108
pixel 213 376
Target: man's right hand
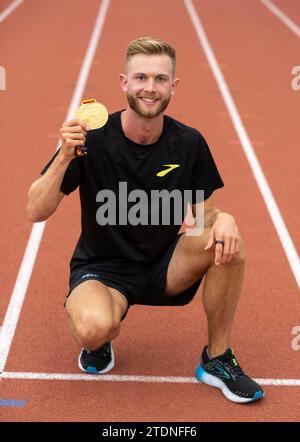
pixel 73 133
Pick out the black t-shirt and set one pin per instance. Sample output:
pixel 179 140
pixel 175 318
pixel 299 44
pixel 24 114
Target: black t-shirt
pixel 113 159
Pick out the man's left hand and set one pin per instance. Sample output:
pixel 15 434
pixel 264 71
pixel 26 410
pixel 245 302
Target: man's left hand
pixel 224 230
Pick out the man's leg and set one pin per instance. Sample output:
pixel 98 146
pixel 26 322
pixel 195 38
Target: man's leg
pixel 219 367
pixel 95 312
pixel 222 285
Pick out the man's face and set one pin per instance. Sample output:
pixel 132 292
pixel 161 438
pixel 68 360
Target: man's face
pixel 149 84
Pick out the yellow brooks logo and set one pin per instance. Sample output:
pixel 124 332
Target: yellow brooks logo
pixel 165 171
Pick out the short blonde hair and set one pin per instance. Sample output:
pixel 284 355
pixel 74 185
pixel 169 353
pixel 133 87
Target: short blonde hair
pixel 150 46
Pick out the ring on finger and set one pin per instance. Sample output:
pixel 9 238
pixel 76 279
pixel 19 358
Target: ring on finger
pixel 219 241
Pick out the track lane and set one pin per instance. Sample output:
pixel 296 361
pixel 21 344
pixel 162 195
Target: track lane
pixel 4 4
pixel 199 104
pixel 7 7
pixel 33 107
pixel 115 403
pixel 260 79
pixel 289 12
pixel 33 244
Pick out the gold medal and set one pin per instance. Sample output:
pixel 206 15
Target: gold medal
pixel 94 115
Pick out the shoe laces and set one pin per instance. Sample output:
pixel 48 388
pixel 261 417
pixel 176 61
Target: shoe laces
pixel 232 366
pixel 103 351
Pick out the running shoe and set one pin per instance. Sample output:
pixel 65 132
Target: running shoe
pixel 97 361
pixel 225 373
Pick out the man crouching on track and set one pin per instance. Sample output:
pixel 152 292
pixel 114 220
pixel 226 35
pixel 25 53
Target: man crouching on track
pixel 122 260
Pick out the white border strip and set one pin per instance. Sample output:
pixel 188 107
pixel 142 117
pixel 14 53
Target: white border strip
pixel 18 295
pixel 274 212
pixel 129 378
pixel 286 20
pixel 9 9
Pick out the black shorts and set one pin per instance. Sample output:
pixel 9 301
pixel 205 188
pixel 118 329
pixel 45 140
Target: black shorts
pixel 140 283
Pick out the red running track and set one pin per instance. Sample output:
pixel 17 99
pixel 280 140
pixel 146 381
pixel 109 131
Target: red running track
pixel 42 47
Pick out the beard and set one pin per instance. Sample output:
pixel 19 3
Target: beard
pixel 136 105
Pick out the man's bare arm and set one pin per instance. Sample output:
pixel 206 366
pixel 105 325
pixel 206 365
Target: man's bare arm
pixel 44 194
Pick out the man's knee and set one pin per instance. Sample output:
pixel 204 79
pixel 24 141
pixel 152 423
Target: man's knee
pixel 94 330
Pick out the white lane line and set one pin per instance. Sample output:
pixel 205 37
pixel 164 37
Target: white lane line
pixel 17 298
pixel 261 181
pixel 9 9
pixel 286 20
pixel 129 378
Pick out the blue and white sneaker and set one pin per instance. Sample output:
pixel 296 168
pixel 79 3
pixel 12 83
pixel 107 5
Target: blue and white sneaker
pixel 98 361
pixel 225 373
